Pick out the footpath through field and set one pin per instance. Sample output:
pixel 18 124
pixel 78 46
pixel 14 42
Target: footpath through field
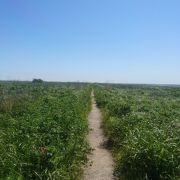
pixel 100 166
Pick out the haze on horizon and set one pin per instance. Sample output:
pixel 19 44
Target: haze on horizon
pixel 113 41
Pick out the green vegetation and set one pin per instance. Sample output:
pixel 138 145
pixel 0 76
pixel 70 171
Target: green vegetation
pixel 42 130
pixel 37 81
pixel 142 125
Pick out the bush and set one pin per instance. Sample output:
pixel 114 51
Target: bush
pixel 37 81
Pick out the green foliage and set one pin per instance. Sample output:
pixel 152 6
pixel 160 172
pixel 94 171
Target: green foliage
pixel 37 81
pixel 142 125
pixel 42 132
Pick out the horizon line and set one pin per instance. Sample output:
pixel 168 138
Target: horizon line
pixel 95 82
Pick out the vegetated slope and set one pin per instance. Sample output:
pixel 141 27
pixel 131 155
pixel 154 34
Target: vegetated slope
pixel 142 125
pixel 43 129
pixel 100 165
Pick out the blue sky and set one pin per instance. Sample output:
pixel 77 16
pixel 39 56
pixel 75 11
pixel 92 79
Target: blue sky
pixel 125 41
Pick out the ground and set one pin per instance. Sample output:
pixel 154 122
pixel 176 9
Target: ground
pixel 100 166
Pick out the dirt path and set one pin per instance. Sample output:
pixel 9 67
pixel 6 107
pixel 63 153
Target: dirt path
pixel 100 165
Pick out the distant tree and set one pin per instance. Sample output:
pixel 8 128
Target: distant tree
pixel 37 81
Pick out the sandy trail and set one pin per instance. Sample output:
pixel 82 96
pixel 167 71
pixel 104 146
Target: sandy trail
pixel 100 166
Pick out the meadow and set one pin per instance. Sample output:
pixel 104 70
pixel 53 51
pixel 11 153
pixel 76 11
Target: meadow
pixel 142 124
pixel 42 130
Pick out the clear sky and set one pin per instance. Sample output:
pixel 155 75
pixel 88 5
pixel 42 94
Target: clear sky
pixel 125 41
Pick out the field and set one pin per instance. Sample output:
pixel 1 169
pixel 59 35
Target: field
pixel 43 129
pixel 142 124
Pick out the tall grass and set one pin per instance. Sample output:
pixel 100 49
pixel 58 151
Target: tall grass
pixel 142 127
pixel 42 131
